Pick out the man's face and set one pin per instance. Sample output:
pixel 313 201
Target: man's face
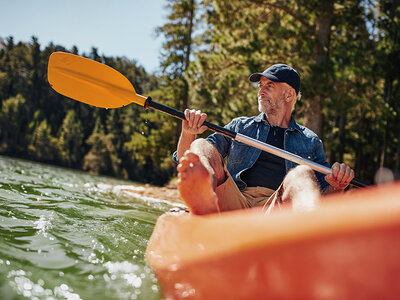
pixel 270 96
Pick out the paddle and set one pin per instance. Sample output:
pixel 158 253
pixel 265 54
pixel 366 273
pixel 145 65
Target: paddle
pixel 99 85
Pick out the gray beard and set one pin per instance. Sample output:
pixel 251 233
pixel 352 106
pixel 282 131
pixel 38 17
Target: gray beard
pixel 270 109
pixel 267 109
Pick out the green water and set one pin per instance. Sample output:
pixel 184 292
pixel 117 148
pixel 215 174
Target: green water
pixel 70 235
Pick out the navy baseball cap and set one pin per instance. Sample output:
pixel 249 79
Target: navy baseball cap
pixel 279 73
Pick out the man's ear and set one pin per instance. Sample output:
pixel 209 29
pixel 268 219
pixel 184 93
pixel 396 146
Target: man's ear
pixel 290 93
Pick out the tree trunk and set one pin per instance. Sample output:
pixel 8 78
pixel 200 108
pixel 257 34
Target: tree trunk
pixel 313 115
pixel 342 122
pixel 185 100
pixel 387 97
pixel 313 112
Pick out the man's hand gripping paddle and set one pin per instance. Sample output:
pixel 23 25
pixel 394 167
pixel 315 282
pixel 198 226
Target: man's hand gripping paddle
pixel 99 85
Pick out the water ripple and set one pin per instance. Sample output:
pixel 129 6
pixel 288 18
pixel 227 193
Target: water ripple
pixel 65 234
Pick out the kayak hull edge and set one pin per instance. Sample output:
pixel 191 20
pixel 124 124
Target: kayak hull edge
pixel 348 248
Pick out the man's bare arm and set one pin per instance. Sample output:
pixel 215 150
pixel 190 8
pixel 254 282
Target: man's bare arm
pixel 192 126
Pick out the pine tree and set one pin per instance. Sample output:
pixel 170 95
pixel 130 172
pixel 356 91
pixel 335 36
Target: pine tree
pixel 71 140
pixel 43 146
pixel 177 49
pixel 153 142
pixel 13 122
pixel 96 160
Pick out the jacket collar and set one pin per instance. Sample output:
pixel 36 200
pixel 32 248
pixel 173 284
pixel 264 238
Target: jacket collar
pixel 260 118
pixel 292 125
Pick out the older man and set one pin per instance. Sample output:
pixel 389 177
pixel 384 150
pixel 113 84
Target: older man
pixel 252 177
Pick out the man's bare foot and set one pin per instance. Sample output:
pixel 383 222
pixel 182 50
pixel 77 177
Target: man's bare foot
pixel 194 185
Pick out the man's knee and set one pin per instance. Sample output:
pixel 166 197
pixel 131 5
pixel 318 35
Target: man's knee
pixel 209 156
pixel 204 148
pixel 199 143
pixel 300 187
pixel 301 172
pixel 301 177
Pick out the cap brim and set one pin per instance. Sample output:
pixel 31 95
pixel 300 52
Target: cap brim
pixel 255 77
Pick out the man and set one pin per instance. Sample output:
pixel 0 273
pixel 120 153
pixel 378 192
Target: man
pixel 252 177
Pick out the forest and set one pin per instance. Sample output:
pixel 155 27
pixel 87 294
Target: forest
pixel 347 53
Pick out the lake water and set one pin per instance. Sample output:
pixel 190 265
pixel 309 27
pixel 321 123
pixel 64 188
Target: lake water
pixel 65 234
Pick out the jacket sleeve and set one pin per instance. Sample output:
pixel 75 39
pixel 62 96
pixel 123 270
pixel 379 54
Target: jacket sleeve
pixel 219 141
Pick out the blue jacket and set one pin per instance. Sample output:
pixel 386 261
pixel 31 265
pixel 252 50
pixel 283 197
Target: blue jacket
pixel 240 157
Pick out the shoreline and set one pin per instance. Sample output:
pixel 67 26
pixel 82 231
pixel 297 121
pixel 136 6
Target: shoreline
pixel 169 192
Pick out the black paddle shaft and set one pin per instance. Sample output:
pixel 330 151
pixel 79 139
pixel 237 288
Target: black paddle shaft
pixel 180 115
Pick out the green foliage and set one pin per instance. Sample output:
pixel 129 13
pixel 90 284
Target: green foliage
pixel 335 45
pixel 13 119
pixel 39 124
pixel 347 52
pixel 153 143
pixel 43 146
pixel 104 155
pixel 71 139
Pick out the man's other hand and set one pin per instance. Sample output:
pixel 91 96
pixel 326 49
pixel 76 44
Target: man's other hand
pixel 340 177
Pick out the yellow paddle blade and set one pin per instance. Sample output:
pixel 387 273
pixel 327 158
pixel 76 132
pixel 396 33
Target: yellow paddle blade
pixel 90 82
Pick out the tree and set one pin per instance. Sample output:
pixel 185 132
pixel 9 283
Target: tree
pixel 70 140
pixel 388 32
pixel 103 156
pixel 330 45
pixel 13 121
pixel 43 146
pixel 152 143
pixel 97 159
pixel 178 47
pixel 31 112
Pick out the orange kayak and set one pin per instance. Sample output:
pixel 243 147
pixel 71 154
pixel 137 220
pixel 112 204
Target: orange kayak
pixel 348 248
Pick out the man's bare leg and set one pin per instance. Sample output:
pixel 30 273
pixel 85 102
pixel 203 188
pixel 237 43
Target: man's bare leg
pixel 200 171
pixel 300 188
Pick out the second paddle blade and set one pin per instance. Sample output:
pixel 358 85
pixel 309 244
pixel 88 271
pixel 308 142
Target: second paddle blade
pixel 90 82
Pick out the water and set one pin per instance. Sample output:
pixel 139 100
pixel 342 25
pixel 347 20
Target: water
pixel 66 234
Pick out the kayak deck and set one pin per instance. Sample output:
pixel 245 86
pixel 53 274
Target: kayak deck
pixel 347 248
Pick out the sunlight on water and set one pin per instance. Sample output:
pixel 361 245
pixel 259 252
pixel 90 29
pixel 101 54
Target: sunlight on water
pixel 68 235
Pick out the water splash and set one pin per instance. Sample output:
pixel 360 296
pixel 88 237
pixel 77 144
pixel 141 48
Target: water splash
pixel 43 224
